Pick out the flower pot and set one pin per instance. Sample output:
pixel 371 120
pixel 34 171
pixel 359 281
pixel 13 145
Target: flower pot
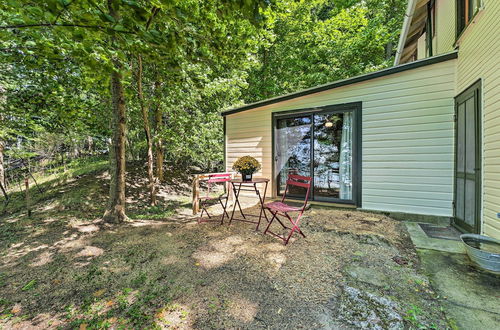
pixel 246 177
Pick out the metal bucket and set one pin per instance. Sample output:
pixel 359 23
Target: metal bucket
pixel 482 250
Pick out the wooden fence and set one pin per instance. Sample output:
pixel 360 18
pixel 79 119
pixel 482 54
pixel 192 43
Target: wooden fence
pixel 196 189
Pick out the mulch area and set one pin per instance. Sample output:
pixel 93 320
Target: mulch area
pixel 354 269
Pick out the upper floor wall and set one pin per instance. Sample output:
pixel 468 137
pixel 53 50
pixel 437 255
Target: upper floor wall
pixel 434 27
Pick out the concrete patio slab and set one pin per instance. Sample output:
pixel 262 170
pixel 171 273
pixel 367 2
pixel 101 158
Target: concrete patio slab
pixel 470 296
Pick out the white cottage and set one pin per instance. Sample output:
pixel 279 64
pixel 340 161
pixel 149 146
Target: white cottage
pixel 420 138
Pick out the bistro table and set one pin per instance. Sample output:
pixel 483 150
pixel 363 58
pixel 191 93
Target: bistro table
pixel 251 185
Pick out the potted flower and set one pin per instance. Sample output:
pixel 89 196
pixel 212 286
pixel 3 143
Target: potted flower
pixel 246 165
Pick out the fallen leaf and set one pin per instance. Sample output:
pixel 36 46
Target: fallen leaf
pixel 16 309
pixel 112 320
pixel 99 293
pixel 400 260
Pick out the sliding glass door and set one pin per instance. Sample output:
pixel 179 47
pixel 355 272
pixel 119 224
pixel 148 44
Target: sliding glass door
pixel 320 144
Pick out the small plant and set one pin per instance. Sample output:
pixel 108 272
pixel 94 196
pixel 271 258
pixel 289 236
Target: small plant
pixel 139 280
pixel 30 285
pixel 414 315
pixel 246 165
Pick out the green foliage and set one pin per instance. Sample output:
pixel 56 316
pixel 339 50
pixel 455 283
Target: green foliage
pixel 59 55
pixel 308 43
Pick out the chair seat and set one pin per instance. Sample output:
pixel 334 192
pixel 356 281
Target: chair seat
pixel 281 207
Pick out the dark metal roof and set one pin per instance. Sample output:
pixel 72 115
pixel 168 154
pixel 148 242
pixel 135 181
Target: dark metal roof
pixel 345 82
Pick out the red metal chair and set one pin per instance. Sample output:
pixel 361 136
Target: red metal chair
pixel 282 209
pixel 213 180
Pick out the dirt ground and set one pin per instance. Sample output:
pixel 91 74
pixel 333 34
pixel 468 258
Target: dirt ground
pixel 64 268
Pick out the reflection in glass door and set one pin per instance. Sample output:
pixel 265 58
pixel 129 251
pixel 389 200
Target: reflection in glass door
pixel 293 151
pixel 320 145
pixel 333 156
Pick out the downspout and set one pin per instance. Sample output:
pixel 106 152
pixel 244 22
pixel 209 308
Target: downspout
pixel 428 28
pixel 404 31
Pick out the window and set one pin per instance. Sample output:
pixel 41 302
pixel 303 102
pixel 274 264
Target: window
pixel 466 10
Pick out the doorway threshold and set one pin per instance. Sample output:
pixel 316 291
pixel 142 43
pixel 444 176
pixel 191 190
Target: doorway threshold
pixel 444 232
pixel 422 241
pixel 316 203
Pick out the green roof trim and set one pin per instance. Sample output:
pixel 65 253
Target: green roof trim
pixel 344 82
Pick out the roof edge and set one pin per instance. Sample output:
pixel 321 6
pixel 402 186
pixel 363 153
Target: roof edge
pixel 339 83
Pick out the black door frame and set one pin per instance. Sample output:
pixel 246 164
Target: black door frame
pixel 355 107
pixel 472 91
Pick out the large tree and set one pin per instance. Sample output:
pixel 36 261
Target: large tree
pixel 103 37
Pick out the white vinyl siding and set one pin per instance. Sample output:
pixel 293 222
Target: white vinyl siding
pixel 478 59
pixel 421 47
pixel 445 26
pixel 407 137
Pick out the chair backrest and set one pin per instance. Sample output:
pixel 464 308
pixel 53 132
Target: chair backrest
pixel 300 181
pixel 216 178
pixel 221 177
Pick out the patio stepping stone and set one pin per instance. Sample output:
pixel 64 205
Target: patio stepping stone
pixel 366 310
pixel 369 275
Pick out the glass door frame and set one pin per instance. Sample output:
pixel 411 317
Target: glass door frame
pixel 355 108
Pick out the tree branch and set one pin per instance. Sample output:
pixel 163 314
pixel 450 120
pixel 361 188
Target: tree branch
pixel 154 11
pixel 99 27
pixel 61 12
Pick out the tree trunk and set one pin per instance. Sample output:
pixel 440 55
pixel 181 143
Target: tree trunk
pixel 90 145
pixel 388 51
pixel 115 212
pixel 147 130
pixel 160 155
pixel 2 169
pixel 27 195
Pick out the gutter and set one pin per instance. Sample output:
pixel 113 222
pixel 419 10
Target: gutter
pixel 410 9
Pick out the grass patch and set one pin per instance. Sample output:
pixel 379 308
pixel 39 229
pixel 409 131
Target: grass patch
pixel 48 185
pixel 158 212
